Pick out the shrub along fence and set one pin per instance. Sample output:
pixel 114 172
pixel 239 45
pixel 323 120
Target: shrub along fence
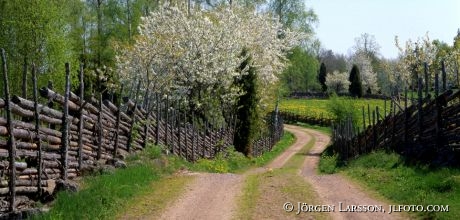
pixel 426 131
pixel 41 143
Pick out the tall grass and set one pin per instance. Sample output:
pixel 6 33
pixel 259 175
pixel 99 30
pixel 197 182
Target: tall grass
pixel 102 196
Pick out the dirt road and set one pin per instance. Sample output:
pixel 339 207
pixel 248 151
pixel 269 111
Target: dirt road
pixel 213 196
pixel 335 189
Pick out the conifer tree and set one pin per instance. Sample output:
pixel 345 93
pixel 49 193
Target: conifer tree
pixel 247 113
pixel 356 87
pixel 322 76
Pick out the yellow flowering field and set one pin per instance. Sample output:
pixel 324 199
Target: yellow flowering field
pixel 318 108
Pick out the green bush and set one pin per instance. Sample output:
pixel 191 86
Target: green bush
pixel 328 164
pixel 343 109
pixel 217 165
pixel 153 151
pixel 229 161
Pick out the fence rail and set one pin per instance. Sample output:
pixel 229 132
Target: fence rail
pixel 43 142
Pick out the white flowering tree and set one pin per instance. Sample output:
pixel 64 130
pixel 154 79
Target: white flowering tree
pixel 368 76
pixel 195 58
pixel 337 82
pixel 413 55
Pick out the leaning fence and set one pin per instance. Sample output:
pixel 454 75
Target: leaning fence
pixel 424 130
pixel 57 139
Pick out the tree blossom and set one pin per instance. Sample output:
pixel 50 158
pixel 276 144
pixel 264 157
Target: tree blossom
pixel 368 76
pixel 412 57
pixel 197 56
pixel 337 82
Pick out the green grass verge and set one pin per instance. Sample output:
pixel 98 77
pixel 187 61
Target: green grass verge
pixel 105 196
pixel 388 175
pixel 154 202
pixel 296 161
pixel 235 162
pixel 329 162
pixel 247 203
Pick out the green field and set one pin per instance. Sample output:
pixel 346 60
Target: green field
pixel 320 108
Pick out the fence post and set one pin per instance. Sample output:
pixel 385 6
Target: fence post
pixel 117 125
pixel 100 130
pixel 81 119
pixel 391 106
pixel 175 123
pixel 204 138
pixel 439 125
pixel 377 113
pixel 157 131
pixel 133 119
pixel 436 84
pixel 171 129
pixel 211 135
pixel 11 143
pixel 193 136
pixel 65 124
pixel 427 85
pixel 221 134
pixel 369 114
pixel 166 120
pixel 37 131
pixel 146 128
pixel 405 117
pixel 374 141
pixel 419 106
pixel 393 113
pixel 179 130
pixel 443 69
pixel 185 134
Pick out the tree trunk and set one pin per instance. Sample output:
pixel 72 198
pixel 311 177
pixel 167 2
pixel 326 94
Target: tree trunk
pixel 99 32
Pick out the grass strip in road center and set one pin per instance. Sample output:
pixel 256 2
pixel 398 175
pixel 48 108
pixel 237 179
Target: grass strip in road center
pixel 265 193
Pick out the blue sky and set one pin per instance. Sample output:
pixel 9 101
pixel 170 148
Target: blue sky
pixel 341 21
